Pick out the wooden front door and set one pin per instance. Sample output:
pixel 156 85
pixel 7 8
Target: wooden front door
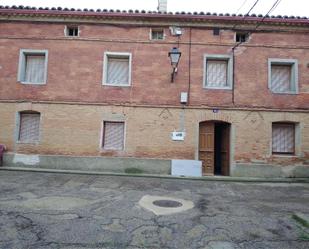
pixel 225 149
pixel 207 147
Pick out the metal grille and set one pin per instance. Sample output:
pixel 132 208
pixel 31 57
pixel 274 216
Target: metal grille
pixel 35 68
pixel 118 71
pixel 29 127
pixel 281 78
pixel 283 138
pixel 216 73
pixel 113 135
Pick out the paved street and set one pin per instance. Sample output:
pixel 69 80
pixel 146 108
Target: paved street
pixel 47 210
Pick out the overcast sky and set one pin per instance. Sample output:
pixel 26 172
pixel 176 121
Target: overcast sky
pixel 285 7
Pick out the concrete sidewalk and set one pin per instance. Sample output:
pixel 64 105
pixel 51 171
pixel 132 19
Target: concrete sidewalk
pixel 204 178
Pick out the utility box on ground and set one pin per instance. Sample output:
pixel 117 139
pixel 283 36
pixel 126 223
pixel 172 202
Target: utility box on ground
pixel 186 168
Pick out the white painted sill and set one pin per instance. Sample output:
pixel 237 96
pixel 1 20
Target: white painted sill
pixel 31 83
pixel 118 85
pixel 28 142
pixel 285 155
pixel 283 93
pixel 218 88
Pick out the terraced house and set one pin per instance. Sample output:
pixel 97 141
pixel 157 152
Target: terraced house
pixel 96 89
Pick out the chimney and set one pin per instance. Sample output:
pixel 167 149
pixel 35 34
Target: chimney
pixel 162 5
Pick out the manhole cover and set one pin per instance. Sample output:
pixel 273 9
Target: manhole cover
pixel 167 203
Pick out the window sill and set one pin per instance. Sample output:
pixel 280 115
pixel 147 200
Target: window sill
pixel 285 155
pixel 157 40
pixel 218 88
pixel 118 85
pixel 32 83
pixel 284 93
pixel 27 142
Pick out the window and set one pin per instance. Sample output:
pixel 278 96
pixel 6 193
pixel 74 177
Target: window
pixel 113 135
pixel 283 75
pixel 117 69
pixel 241 37
pixel 71 31
pixel 29 127
pixel 218 71
pixel 157 34
pixel 32 66
pixel 283 138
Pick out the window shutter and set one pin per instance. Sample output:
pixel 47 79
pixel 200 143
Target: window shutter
pixel 113 135
pixel 118 71
pixel 281 78
pixel 283 138
pixel 29 127
pixel 35 67
pixel 216 73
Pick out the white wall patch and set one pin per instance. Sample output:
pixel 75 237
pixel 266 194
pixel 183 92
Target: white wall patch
pixel 26 159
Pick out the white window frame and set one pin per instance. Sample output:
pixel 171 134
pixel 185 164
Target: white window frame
pixel 294 73
pixel 71 26
pixel 22 65
pixel 18 123
pixel 229 59
pixel 156 29
pixel 105 64
pixel 102 134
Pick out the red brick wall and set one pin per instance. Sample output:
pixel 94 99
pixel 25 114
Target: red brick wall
pixel 75 65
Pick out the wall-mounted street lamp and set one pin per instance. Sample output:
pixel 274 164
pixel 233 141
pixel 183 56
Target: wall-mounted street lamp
pixel 174 54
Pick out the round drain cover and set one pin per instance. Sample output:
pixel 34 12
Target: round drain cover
pixel 167 203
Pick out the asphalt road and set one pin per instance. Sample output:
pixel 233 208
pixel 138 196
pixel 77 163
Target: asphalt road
pixel 48 210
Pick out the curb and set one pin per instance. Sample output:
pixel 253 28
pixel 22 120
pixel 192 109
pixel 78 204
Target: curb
pixel 204 178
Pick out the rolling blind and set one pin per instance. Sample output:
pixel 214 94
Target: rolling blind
pixel 216 73
pixel 29 127
pixel 283 138
pixel 113 136
pixel 35 68
pixel 118 71
pixel 281 78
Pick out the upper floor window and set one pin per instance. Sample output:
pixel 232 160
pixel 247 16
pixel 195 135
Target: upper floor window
pixel 283 75
pixel 218 71
pixel 117 69
pixel 71 31
pixel 157 34
pixel 241 37
pixel 283 138
pixel 29 127
pixel 32 66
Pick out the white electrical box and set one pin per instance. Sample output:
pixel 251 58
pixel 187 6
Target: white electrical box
pixel 186 168
pixel 177 31
pixel 178 135
pixel 184 98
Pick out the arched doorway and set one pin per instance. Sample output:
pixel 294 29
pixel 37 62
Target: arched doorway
pixel 214 147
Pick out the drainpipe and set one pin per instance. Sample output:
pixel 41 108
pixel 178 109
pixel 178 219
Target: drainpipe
pixel 233 77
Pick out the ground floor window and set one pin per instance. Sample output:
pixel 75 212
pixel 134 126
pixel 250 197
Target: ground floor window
pixel 113 135
pixel 283 138
pixel 29 127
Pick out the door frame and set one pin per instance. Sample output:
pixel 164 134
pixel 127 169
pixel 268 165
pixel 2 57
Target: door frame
pixel 231 141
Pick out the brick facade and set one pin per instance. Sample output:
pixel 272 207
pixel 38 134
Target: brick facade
pixel 74 103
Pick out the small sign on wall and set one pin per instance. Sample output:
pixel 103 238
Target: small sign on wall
pixel 178 135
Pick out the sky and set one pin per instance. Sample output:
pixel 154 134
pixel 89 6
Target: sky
pixel 285 7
